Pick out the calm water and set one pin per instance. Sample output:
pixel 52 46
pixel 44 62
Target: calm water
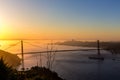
pixel 69 65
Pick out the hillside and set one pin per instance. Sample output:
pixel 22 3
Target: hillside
pixel 10 59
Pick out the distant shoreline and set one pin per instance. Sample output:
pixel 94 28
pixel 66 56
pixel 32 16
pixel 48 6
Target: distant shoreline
pixel 113 47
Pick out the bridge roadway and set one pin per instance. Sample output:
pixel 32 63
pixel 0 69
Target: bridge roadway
pixel 57 51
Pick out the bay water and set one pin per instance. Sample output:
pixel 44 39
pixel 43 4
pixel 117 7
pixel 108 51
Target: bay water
pixel 72 65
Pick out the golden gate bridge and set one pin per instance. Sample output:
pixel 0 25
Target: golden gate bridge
pixel 47 51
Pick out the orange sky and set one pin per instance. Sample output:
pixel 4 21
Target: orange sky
pixel 43 20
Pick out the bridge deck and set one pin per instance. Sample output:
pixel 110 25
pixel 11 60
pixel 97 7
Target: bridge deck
pixel 56 51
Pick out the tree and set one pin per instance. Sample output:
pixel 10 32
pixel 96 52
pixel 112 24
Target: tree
pixel 5 71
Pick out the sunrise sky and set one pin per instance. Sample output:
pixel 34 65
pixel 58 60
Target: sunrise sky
pixel 60 19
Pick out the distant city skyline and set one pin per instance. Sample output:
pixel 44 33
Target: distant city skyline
pixel 60 19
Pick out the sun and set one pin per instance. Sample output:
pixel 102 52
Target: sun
pixel 4 29
pixel 1 28
pixel 1 24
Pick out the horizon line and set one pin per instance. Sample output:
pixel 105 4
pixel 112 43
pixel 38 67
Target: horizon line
pixel 67 39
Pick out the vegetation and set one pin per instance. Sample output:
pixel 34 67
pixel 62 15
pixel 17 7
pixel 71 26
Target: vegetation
pixel 6 72
pixel 35 73
pixel 41 73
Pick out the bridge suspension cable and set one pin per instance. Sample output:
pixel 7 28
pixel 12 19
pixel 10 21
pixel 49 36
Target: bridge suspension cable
pixel 34 45
pixel 12 46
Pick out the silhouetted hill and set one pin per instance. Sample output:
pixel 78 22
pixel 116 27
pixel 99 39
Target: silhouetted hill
pixel 10 59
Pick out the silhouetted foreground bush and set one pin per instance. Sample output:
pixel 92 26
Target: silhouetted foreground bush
pixel 6 72
pixel 42 73
pixel 35 73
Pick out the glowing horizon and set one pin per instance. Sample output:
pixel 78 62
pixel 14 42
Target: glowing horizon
pixel 44 19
